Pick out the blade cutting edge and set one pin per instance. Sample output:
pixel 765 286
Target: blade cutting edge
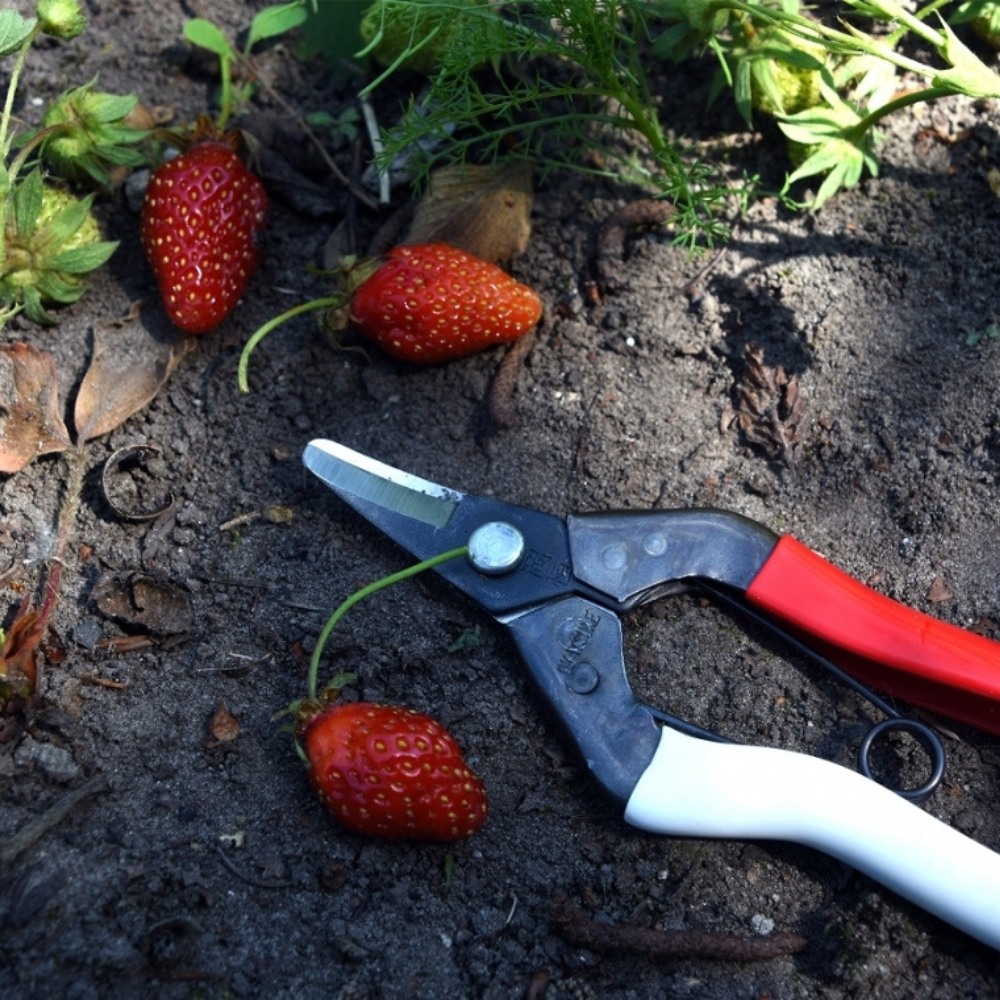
pixel 351 474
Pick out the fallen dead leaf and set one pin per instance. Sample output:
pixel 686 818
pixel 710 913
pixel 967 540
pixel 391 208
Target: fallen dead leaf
pixel 938 591
pixel 30 422
pixel 224 726
pixel 140 600
pixel 127 370
pixel 482 210
pixel 770 409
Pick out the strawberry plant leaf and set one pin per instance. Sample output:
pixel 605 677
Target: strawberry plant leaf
pixel 30 421
pixel 206 35
pixel 107 108
pixel 127 370
pixel 277 20
pixel 14 30
pixel 82 260
pixel 28 202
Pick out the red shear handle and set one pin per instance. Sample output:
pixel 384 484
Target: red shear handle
pixel 883 643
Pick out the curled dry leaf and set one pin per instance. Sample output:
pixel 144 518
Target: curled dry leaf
pixel 484 211
pixel 136 599
pixel 770 409
pixel 18 665
pixel 129 366
pixel 30 422
pixel 132 458
pixel 224 726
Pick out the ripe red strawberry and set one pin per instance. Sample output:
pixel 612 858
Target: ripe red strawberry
pixel 431 302
pixel 202 213
pixel 391 772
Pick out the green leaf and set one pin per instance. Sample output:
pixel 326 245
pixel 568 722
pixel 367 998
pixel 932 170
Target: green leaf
pixel 28 202
pixel 34 309
pixel 111 107
pixel 968 75
pixel 206 35
pixel 83 260
pixel 68 221
pixel 14 30
pixel 272 21
pixel 120 156
pixel 52 288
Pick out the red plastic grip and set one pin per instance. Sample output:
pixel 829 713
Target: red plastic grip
pixel 886 645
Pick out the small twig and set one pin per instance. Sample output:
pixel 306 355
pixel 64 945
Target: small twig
pixel 359 192
pixel 260 883
pixel 500 404
pixel 689 287
pixel 371 124
pixel 35 829
pixel 582 931
pixel 239 520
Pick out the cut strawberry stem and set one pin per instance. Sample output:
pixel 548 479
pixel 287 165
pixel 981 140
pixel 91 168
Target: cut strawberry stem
pixel 330 302
pixel 403 574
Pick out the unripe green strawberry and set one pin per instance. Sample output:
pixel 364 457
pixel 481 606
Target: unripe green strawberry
pixel 90 134
pixel 61 18
pixel 52 242
pixel 799 88
pixel 987 24
pixel 394 27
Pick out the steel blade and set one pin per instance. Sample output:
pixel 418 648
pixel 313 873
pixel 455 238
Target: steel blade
pixel 353 475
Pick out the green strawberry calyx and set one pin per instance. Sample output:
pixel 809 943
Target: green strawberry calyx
pixel 60 18
pixel 85 131
pixel 52 241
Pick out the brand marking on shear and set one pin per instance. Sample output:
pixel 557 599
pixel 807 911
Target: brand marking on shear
pixel 542 565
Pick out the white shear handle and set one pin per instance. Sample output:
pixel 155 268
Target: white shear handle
pixel 696 788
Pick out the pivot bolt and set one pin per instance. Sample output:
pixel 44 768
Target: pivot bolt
pixel 496 548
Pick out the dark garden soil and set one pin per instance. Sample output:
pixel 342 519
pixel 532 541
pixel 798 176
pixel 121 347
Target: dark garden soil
pixel 143 856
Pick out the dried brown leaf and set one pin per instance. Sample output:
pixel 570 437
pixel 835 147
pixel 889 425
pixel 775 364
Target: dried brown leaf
pixel 224 726
pixel 938 590
pixel 770 408
pixel 482 210
pixel 30 422
pixel 17 656
pixel 129 366
pixel 136 599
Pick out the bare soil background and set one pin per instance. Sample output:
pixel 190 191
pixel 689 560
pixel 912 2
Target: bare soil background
pixel 200 868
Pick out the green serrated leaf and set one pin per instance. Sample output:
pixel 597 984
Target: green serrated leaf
pixel 34 309
pixel 120 156
pixel 111 107
pixel 278 20
pixel 968 75
pixel 835 180
pixel 206 35
pixel 14 31
pixel 28 202
pixel 743 89
pixel 68 221
pixel 54 290
pixel 83 260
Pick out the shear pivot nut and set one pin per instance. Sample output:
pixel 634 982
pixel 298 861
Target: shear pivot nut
pixel 496 548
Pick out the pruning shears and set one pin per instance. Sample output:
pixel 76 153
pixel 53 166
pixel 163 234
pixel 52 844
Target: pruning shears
pixel 560 587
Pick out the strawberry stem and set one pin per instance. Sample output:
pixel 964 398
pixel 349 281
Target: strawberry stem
pixel 330 302
pixel 403 574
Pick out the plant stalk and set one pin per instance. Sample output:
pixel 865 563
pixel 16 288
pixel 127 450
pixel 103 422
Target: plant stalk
pixel 403 574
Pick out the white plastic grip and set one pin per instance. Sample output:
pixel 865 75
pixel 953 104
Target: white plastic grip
pixel 696 788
